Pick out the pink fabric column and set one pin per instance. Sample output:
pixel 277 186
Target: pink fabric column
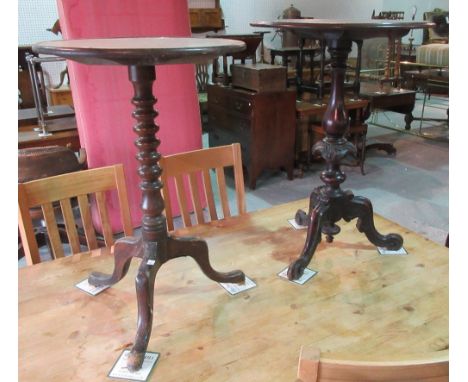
pixel 101 94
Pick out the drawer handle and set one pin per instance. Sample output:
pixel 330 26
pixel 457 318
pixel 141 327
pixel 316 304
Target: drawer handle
pixel 238 105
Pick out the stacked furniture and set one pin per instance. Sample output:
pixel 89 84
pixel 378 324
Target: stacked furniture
pixel 258 112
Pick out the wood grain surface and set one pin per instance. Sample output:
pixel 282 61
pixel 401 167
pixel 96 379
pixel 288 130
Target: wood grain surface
pixel 359 306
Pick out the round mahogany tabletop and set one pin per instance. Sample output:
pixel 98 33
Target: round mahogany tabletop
pixel 351 29
pixel 140 50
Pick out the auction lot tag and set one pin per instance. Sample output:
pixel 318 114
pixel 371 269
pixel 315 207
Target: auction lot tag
pixel 295 225
pixel 234 288
pixel 387 252
pixel 120 370
pixel 306 276
pixel 85 286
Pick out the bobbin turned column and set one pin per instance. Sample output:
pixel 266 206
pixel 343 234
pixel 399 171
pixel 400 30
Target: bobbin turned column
pixel 329 203
pixel 155 246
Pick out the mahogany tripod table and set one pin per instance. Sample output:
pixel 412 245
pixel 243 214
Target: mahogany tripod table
pixel 329 203
pixel 156 246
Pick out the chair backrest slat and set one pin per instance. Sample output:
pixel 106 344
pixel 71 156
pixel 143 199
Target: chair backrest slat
pixel 85 212
pixel 180 188
pixel 61 188
pixel 26 228
pixel 222 191
pixel 70 225
pixel 208 187
pixel 104 215
pixel 52 230
pixel 191 164
pixel 239 180
pixel 193 182
pixel 125 217
pixel 314 369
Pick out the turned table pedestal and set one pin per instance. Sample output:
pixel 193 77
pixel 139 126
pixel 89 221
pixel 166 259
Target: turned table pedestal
pixel 156 246
pixel 329 203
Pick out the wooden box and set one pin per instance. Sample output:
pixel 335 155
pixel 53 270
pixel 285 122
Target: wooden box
pixel 259 77
pixel 60 96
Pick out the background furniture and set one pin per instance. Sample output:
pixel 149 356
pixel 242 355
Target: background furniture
pixel 36 163
pixel 60 96
pixel 194 167
pixel 286 53
pixel 206 19
pixel 386 97
pixel 263 123
pixel 25 90
pixel 359 304
pixel 433 367
pixel 43 192
pixel 252 41
pixel 440 32
pixel 329 203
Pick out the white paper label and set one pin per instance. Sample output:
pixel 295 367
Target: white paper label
pixel 306 276
pixel 387 252
pixel 234 288
pixel 85 286
pixel 295 225
pixel 121 371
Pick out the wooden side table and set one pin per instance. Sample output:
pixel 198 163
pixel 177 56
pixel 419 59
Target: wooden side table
pixel 156 246
pixel 329 203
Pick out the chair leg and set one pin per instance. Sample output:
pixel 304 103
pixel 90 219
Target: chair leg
pixel 422 111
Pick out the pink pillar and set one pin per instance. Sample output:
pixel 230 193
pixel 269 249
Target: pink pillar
pixel 101 94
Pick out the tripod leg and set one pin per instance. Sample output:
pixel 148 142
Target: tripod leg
pixel 124 250
pixel 361 208
pixel 198 250
pixel 144 283
pixel 314 236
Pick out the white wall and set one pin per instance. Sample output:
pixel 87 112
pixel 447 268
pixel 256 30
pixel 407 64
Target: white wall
pixel 34 18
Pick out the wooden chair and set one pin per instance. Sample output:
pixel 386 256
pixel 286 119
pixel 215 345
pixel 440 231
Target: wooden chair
pixel 195 165
pixel 61 188
pixel 312 368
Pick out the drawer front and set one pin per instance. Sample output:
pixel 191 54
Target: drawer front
pixel 232 101
pixel 221 118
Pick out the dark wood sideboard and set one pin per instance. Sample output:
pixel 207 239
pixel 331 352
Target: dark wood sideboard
pixel 263 123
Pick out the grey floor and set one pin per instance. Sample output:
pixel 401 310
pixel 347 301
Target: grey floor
pixel 410 188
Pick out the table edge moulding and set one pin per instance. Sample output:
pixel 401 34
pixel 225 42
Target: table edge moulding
pixel 329 203
pixel 156 246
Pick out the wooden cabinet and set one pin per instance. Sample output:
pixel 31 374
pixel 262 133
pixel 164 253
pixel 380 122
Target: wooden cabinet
pixel 206 19
pixel 60 96
pixel 263 123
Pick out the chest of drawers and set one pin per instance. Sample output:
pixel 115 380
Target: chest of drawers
pixel 263 123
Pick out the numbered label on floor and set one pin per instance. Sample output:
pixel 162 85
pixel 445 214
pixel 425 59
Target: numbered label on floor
pixel 306 276
pixel 85 286
pixel 234 288
pixel 388 252
pixel 121 371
